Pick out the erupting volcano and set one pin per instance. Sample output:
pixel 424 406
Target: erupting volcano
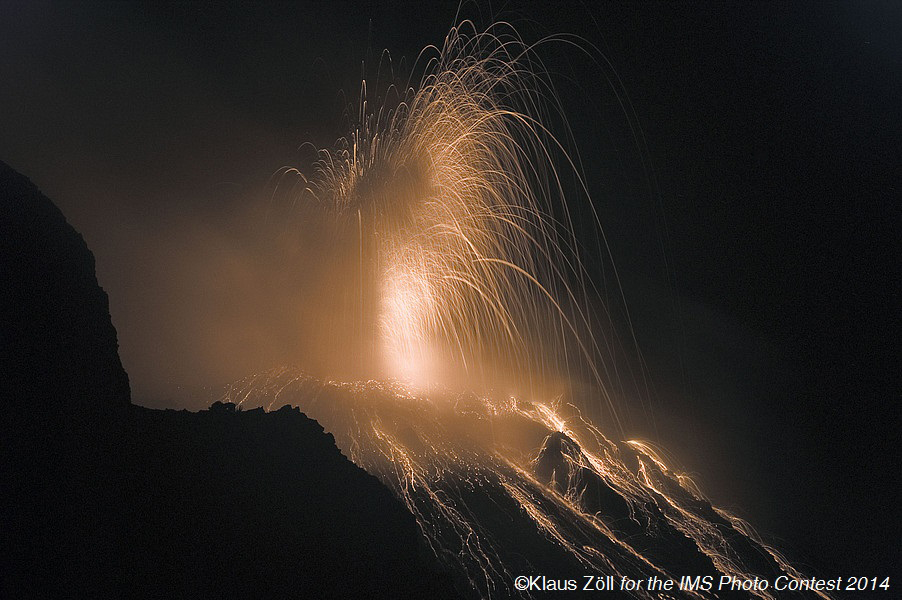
pixel 467 262
pixel 521 315
pixel 476 323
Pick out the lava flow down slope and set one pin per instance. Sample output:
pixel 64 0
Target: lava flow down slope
pixel 458 207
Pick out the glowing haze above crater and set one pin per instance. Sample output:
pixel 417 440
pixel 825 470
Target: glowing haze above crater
pixel 459 275
pixel 466 267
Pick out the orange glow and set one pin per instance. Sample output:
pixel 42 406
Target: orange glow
pixel 469 277
pixel 466 272
pixel 429 447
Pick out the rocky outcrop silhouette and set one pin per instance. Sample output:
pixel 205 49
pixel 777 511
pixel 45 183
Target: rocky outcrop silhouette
pixel 104 499
pixel 59 348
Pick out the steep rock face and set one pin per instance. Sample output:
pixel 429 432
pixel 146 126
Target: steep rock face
pixel 59 350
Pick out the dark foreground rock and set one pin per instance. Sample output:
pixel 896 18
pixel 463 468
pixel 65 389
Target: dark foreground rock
pixel 100 498
pixel 176 504
pixel 58 343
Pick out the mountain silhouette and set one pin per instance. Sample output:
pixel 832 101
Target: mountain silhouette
pixel 102 498
pixel 59 345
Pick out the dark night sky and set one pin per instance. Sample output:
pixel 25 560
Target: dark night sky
pixel 753 209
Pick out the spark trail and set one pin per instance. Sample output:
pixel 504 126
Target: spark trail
pixel 469 276
pixel 468 258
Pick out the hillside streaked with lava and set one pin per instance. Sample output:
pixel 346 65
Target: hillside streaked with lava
pixel 467 273
pixel 502 486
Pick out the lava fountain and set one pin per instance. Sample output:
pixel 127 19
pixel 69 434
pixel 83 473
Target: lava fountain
pixel 468 277
pixel 468 266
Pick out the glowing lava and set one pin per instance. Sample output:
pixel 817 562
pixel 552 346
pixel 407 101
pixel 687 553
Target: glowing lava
pixel 470 278
pixel 466 244
pixel 502 486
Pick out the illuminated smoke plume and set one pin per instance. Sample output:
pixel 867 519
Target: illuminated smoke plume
pixel 466 274
pixel 466 263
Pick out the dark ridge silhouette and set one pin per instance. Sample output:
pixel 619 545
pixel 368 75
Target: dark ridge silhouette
pixel 58 344
pixel 104 499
